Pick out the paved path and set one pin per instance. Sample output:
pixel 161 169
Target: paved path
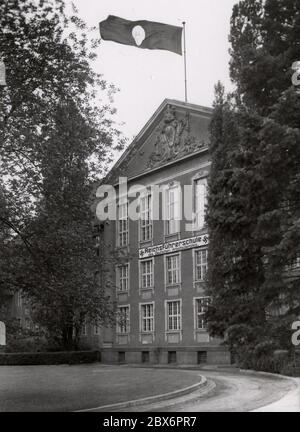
pixel 236 392
pixel 289 403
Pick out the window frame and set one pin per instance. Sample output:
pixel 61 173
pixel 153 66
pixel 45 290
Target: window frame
pixel 119 329
pixel 177 211
pixel 96 330
pixel 141 274
pixel 205 265
pixel 295 262
pixel 178 269
pixel 146 223
pixel 119 278
pixel 198 314
pixel 202 211
pixel 122 221
pixel 83 330
pixel 178 316
pixel 27 323
pixel 19 299
pixel 150 318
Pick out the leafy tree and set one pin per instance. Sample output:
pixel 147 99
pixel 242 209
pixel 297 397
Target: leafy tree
pixel 57 137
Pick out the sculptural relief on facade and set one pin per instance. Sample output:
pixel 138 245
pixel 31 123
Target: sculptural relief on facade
pixel 173 139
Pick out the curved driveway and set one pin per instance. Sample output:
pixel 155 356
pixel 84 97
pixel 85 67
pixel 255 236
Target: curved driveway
pixel 238 392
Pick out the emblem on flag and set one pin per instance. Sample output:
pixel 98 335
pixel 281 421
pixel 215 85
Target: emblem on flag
pixel 138 34
pixel 142 34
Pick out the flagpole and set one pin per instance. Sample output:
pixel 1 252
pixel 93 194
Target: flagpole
pixel 184 56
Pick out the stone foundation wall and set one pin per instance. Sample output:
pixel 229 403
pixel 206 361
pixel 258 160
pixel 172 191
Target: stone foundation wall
pixel 167 355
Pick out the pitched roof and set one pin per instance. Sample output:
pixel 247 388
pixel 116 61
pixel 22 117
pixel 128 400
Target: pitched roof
pixel 139 140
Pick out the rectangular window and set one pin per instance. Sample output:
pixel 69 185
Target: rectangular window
pixel 145 357
pixel 123 224
pixel 172 211
pixel 123 278
pixel 173 315
pixel 84 329
pixel 123 320
pixel 147 318
pixel 295 262
pixel 96 330
pixel 173 269
pixel 146 227
pixel 201 357
pixel 121 356
pixel 146 273
pixel 201 305
pixel 27 323
pixel 172 357
pixel 19 298
pixel 200 200
pixel 200 264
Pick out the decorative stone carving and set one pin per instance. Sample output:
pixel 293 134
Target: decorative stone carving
pixel 173 139
pixel 201 174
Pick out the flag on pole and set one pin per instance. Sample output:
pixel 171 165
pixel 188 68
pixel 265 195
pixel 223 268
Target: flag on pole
pixel 142 34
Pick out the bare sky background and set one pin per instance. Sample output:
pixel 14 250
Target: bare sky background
pixel 147 77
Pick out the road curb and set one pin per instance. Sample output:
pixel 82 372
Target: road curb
pixel 152 399
pixel 267 374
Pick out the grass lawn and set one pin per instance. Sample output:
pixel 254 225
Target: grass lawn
pixel 69 388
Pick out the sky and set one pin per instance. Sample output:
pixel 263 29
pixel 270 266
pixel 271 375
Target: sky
pixel 147 77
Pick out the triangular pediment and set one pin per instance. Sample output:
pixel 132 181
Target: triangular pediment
pixel 175 131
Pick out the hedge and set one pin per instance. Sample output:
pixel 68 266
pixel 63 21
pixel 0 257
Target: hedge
pixel 49 358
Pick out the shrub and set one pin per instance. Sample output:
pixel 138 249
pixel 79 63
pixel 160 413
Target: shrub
pixel 26 344
pixel 20 340
pixel 259 356
pixel 264 358
pixel 49 358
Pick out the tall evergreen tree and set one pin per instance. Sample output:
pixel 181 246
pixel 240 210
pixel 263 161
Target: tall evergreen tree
pixel 265 38
pixel 235 267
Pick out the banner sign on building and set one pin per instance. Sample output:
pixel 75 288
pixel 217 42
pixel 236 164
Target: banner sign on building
pixel 177 245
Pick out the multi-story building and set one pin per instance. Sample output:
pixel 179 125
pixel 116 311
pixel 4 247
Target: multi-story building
pixel 152 248
pixel 160 240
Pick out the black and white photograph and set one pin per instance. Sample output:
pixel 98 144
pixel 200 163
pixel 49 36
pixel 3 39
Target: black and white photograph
pixel 149 209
